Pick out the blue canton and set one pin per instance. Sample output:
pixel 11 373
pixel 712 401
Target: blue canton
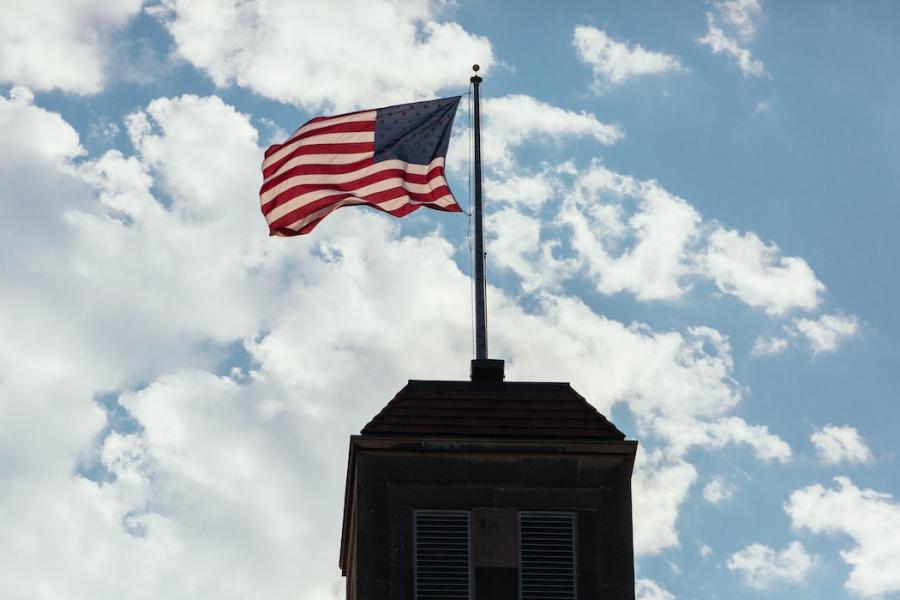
pixel 416 133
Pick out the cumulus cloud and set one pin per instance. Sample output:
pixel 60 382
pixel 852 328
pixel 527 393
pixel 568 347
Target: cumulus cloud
pixel 518 117
pixel 647 589
pixel 151 274
pixel 563 220
pixel 59 142
pixel 614 62
pixel 515 243
pixel 744 266
pixel 871 519
pixel 827 332
pixel 635 236
pixel 646 253
pixel 103 131
pixel 718 490
pixel 386 52
pixel 835 444
pixel 684 433
pixel 678 385
pixel 761 566
pixel 514 120
pixel 115 287
pixel 766 346
pixel 659 487
pixel 61 45
pixel 525 191
pixel 741 16
pixel 40 362
pixel 168 273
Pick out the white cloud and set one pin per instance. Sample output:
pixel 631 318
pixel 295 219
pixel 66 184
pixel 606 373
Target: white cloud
pixel 526 191
pixel 326 56
pixel 744 266
pixel 151 270
pixel 869 518
pixel 717 490
pixel 720 43
pixel 646 254
pixel 647 589
pixel 103 131
pixel 636 236
pixel 766 346
pixel 156 290
pixel 761 566
pixel 49 45
pixel 515 244
pixel 705 550
pixel 518 117
pixel 53 142
pixel 40 361
pixel 614 62
pixel 677 385
pixel 113 288
pixel 659 487
pixel 625 234
pixel 742 15
pixel 827 332
pixel 836 444
pixel 511 121
pixel 684 433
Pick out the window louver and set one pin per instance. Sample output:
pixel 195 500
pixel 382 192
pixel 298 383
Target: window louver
pixel 546 556
pixel 442 569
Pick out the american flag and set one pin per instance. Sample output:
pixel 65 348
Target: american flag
pixel 390 158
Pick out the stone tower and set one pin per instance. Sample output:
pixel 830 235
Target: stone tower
pixel 488 489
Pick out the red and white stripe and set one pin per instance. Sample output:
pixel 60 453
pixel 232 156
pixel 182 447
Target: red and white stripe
pixel 328 163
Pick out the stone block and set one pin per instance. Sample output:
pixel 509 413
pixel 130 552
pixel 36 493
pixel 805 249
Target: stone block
pixel 440 496
pixel 547 498
pixel 504 471
pixel 557 472
pixel 494 538
pixel 438 470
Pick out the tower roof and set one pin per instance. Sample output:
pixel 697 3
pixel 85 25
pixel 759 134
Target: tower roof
pixel 491 409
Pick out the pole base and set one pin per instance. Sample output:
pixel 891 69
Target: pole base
pixel 487 369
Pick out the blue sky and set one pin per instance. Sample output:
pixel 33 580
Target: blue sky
pixel 691 216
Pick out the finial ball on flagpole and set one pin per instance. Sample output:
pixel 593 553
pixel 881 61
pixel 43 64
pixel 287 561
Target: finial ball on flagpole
pixel 475 68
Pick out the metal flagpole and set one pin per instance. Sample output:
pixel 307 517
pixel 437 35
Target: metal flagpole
pixel 480 285
pixel 483 368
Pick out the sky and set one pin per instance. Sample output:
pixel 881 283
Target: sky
pixel 691 215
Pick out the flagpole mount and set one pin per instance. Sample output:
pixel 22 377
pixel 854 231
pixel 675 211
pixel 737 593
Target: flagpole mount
pixel 483 368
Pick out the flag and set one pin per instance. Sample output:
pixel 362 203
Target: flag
pixel 390 158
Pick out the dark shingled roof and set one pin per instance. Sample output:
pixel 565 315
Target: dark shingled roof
pixel 491 409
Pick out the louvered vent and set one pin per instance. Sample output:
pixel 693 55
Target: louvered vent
pixel 546 555
pixel 442 555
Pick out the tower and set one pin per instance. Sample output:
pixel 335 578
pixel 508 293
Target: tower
pixel 488 489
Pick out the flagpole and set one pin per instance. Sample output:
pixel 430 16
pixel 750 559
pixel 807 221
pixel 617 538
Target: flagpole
pixel 480 284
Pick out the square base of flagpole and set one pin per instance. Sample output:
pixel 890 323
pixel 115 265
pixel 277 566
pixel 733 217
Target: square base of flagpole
pixel 487 369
